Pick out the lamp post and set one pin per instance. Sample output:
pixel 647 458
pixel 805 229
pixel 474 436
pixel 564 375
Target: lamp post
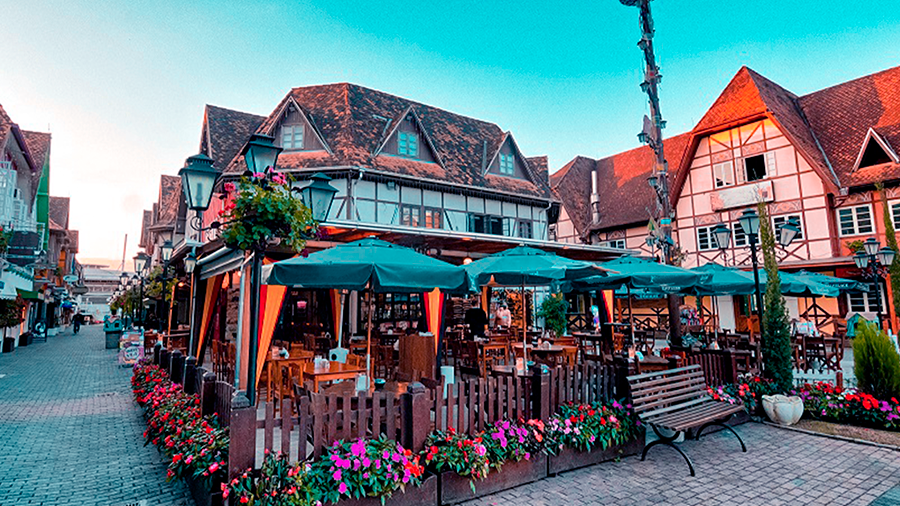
pixel 749 222
pixel 873 261
pixel 260 154
pixel 165 252
pixel 190 263
pixel 141 260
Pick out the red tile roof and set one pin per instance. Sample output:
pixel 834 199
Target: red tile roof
pixel 169 199
pixel 39 146
pixel 353 121
pixel 842 114
pixel 226 132
pixel 827 128
pixel 59 213
pixel 625 196
pixel 5 123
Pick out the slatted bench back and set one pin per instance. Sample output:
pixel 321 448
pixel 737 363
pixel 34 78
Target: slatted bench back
pixel 656 393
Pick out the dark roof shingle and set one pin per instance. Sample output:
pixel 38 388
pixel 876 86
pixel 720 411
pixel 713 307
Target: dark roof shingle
pixel 353 122
pixel 59 213
pixel 228 130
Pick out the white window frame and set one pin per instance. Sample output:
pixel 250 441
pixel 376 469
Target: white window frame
pixel 868 300
pixel 782 219
pixel 292 137
pixel 712 243
pixel 895 212
pixel 615 243
pixel 854 213
pixel 738 237
pixel 723 172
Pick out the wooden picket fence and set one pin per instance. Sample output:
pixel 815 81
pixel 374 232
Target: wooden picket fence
pixel 719 366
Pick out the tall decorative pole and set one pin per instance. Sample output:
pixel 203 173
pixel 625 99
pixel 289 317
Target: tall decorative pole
pixel 651 134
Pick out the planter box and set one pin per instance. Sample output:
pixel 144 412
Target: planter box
pixel 569 458
pixel 423 495
pixel 455 488
pixel 204 492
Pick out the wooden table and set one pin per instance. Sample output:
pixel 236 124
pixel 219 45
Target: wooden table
pixel 335 371
pixel 394 387
pixel 504 370
pixel 652 363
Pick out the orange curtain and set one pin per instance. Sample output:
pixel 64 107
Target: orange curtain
pixel 609 298
pixel 270 299
pixel 337 313
pixel 209 302
pixel 434 307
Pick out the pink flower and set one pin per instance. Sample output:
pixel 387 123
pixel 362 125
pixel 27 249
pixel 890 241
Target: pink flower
pixel 259 175
pixel 337 475
pixel 366 462
pixel 214 467
pixel 342 488
pixel 229 187
pixel 358 448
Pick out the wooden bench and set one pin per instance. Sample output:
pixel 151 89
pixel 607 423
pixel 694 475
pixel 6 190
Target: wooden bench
pixel 677 400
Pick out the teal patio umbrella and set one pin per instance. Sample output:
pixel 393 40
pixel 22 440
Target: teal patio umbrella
pixel 369 265
pixel 842 284
pixel 521 266
pixel 634 273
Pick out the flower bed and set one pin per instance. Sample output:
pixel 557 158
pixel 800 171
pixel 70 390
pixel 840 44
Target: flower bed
pixel 589 434
pixel 197 448
pixel 824 401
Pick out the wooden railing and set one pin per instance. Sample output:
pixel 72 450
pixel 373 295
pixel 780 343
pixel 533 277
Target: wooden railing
pixel 719 366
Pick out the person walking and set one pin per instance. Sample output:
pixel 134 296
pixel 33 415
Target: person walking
pixel 77 321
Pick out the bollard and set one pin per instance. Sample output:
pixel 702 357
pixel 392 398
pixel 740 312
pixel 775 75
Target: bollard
pixel 176 371
pixel 208 394
pixel 415 417
pixel 156 349
pixel 190 375
pixel 242 444
pixel 540 392
pixel 164 360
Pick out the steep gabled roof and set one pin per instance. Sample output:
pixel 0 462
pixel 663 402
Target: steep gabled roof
pixel 146 222
pixel 842 115
pixel 750 96
pixel 226 132
pixel 39 147
pixel 353 121
pixel 169 200
pixel 59 213
pixel 72 236
pixel 5 123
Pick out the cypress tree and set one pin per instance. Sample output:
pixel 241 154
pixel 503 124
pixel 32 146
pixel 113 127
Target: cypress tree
pixel 776 329
pixel 891 239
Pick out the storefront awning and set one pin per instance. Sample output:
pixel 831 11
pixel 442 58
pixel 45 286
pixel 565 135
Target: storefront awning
pixel 27 294
pixel 219 262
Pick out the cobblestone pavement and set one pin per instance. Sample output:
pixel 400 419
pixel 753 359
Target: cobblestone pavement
pixel 781 467
pixel 70 432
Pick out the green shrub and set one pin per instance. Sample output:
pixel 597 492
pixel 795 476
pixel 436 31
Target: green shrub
pixel 776 327
pixel 553 311
pixel 876 363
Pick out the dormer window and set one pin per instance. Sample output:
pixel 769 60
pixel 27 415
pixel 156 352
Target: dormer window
pixel 408 144
pixel 507 165
pixel 875 151
pixel 755 168
pixel 292 136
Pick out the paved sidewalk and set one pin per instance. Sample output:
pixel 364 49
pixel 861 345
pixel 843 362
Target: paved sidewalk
pixel 70 432
pixel 781 467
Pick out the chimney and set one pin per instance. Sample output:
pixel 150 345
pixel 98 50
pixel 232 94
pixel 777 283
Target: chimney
pixel 595 199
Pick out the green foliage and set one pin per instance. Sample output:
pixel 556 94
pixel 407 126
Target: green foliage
pixel 776 329
pixel 279 484
pixel 5 238
pixel 553 311
pixel 891 239
pixel 876 363
pixel 855 246
pixel 11 312
pixel 265 208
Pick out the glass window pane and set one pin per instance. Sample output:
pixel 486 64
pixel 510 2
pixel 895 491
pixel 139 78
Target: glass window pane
pixel 863 220
pixel 846 219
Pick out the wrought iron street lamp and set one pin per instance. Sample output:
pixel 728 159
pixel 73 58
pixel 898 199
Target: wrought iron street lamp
pixel 318 196
pixel 141 261
pixel 190 263
pixel 874 262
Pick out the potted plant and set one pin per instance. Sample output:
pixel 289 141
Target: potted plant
pixel 553 311
pixel 370 472
pixel 585 434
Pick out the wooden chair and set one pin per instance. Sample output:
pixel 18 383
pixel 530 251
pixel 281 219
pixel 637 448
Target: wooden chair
pixel 354 360
pixel 677 400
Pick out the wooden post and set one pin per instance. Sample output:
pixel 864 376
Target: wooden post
pixel 730 366
pixel 176 371
pixel 623 390
pixel 164 361
pixel 415 417
pixel 540 393
pixel 190 375
pixel 242 445
pixel 207 393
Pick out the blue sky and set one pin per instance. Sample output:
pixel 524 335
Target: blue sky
pixel 122 84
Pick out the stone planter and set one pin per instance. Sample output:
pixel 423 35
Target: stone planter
pixel 204 492
pixel 783 410
pixel 424 495
pixel 569 459
pixel 455 488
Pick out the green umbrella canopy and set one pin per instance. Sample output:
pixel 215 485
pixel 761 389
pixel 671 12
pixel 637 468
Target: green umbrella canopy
pixel 731 281
pixel 640 273
pixel 844 285
pixel 529 266
pixel 371 262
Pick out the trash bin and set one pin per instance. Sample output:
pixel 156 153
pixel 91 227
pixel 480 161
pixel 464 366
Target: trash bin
pixel 113 329
pixel 25 339
pixel 9 344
